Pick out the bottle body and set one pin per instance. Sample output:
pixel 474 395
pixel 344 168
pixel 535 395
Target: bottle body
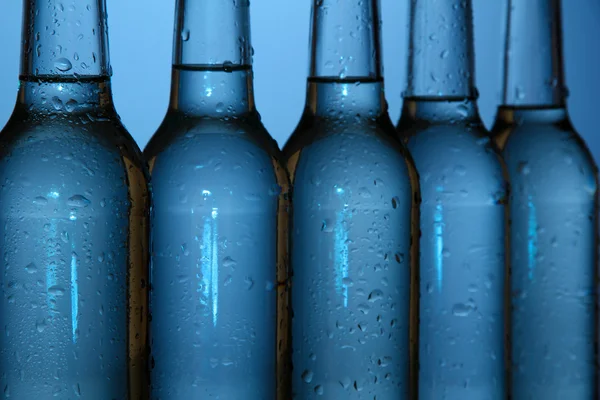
pixel 462 250
pixel 351 241
pixel 218 254
pixel 553 242
pixel 74 239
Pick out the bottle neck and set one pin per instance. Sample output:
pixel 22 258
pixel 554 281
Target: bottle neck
pixel 335 98
pixel 345 40
pixel 212 61
pixel 211 32
pixel 61 95
pixel 212 91
pixel 434 111
pixel 441 54
pixel 345 68
pixel 533 60
pixel 64 40
pixel 509 115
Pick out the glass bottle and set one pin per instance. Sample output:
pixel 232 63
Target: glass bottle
pixel 463 190
pixel 553 209
pixel 354 188
pixel 219 220
pixel 73 219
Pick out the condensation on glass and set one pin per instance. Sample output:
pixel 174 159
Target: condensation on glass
pixel 462 213
pixel 219 282
pixel 553 209
pixel 355 195
pixel 73 220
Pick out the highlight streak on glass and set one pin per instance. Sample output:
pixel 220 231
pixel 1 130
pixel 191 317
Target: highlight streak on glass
pixel 74 294
pixel 531 237
pixel 341 253
pixel 438 223
pixel 215 267
pixel 51 269
pixel 210 265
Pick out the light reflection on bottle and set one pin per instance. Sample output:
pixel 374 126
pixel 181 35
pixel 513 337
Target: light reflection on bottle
pixel 532 237
pixel 341 248
pixel 210 265
pixel 51 279
pixel 74 294
pixel 438 218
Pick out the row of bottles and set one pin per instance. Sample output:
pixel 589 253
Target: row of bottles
pixel 363 261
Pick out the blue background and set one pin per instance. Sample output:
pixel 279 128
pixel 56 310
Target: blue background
pixel 140 34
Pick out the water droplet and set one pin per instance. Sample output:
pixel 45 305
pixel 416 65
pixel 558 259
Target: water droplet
pixel 185 250
pixel 62 64
pixel 375 295
pixel 40 325
pixel 429 288
pixel 520 93
pixel 220 107
pixel 185 35
pixel 229 262
pixel 463 309
pixel 40 201
pixel 56 290
pixel 399 258
pixel 326 226
pixel 363 308
pixel 307 376
pixel 71 105
pixel 462 110
pixel 249 282
pixel 78 201
pixel 31 268
pixel 57 103
pixel 395 202
pixel 227 66
pixel 346 382
pixel 319 390
pixel 347 282
pixel 444 54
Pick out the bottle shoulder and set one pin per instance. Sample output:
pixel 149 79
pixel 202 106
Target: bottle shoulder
pixel 178 132
pixel 355 157
pixel 86 129
pixel 205 152
pixel 72 167
pixel 450 141
pixel 552 157
pixel 312 130
pixel 458 160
